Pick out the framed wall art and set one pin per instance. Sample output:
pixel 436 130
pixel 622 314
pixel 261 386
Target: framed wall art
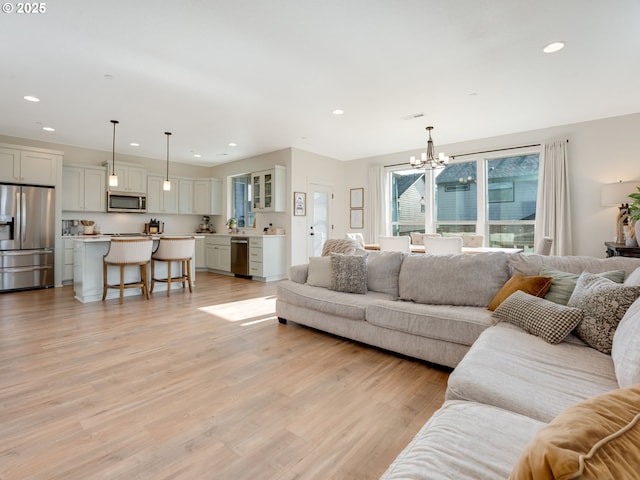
pixel 357 198
pixel 299 203
pixel 357 218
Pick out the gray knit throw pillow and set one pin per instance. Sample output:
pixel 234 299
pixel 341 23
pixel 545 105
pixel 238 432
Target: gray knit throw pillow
pixel 349 273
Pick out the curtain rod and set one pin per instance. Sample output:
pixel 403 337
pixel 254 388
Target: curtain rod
pixel 476 153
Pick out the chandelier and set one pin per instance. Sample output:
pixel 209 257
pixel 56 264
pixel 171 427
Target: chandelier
pixel 427 159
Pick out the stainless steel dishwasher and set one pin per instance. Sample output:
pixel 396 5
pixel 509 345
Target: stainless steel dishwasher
pixel 240 255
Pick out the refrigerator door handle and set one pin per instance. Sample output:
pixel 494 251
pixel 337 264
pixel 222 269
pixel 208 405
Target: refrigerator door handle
pixel 23 217
pixel 17 253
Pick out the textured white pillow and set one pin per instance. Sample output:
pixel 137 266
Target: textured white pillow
pixel 319 272
pixel 625 351
pixel 633 279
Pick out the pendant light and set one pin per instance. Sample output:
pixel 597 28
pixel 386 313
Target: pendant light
pixel 113 178
pixel 166 185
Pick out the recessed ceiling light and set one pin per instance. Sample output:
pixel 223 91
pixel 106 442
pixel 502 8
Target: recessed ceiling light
pixel 134 144
pixel 338 111
pixel 48 129
pixel 232 144
pixel 197 155
pixel 31 98
pixel 553 47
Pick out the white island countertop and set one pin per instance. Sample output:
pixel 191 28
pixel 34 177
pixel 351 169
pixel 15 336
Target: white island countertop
pixel 107 238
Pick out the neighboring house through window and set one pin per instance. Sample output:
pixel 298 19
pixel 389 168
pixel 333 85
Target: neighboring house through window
pixel 493 196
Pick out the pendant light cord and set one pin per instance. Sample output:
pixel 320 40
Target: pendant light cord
pixel 167 134
pixel 113 149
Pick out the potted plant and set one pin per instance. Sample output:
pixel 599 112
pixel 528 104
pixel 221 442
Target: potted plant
pixel 634 215
pixel 231 224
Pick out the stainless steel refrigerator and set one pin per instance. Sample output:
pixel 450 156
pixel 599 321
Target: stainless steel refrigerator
pixel 27 237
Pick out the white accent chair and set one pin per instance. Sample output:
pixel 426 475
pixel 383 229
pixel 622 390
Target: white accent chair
pixel 170 250
pixel 417 238
pixel 472 240
pixel 544 246
pixel 126 252
pixel 395 244
pixel 442 245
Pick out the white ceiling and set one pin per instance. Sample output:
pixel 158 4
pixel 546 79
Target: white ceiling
pixel 266 74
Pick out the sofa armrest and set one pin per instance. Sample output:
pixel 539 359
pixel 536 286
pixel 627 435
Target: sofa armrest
pixel 298 273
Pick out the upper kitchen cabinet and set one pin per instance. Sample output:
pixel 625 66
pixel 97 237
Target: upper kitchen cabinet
pixel 131 178
pixel 28 166
pixel 185 195
pixel 269 190
pixel 159 200
pixel 207 197
pixel 83 189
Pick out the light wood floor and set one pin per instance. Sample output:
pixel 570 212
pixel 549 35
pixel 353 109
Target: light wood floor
pixel 199 386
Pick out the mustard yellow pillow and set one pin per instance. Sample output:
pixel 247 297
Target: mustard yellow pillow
pixel 536 286
pixel 598 438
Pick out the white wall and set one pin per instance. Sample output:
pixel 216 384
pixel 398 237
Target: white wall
pixel 600 151
pixel 307 168
pixel 245 166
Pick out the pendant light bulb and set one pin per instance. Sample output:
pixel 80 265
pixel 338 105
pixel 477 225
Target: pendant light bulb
pixel 113 178
pixel 166 185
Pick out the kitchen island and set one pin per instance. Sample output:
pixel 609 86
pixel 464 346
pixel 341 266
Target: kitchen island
pixel 88 252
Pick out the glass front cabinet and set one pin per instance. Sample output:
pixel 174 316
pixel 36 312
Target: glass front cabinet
pixel 268 190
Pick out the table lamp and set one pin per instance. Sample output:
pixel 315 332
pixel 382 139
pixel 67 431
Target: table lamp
pixel 618 194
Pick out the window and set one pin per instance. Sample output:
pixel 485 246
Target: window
pixel 407 187
pixel 495 197
pixel 241 200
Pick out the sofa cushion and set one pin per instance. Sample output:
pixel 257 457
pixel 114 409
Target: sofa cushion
pixel 603 304
pixel 547 320
pixel 533 285
pixel 465 441
pixel 564 283
pixel 512 369
pixel 633 279
pixel 343 305
pixel 595 439
pixel 457 324
pixel 383 269
pixel 464 279
pixel 348 273
pixel 530 263
pixel 319 273
pixel 624 351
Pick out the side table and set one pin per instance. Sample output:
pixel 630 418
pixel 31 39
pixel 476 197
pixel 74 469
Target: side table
pixel 620 250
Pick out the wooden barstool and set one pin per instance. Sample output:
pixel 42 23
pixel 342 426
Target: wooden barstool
pixel 173 249
pixel 124 252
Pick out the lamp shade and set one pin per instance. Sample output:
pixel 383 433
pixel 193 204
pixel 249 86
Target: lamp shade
pixel 617 193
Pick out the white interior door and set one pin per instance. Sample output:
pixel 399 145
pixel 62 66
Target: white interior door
pixel 319 224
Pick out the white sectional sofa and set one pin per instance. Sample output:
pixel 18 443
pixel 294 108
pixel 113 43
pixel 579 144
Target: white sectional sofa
pixel 507 385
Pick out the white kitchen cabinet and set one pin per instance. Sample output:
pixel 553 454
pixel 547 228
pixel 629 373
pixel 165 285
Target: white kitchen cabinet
pixel 83 189
pixel 207 197
pixel 67 266
pixel 267 257
pixel 185 196
pixel 218 253
pixel 160 201
pixel 26 166
pixel 199 254
pixel 269 190
pixel 131 178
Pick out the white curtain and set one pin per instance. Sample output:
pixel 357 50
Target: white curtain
pixel 377 209
pixel 553 210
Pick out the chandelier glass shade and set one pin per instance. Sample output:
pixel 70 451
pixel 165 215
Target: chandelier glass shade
pixel 428 159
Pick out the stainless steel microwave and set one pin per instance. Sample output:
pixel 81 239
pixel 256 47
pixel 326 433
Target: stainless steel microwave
pixel 126 202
